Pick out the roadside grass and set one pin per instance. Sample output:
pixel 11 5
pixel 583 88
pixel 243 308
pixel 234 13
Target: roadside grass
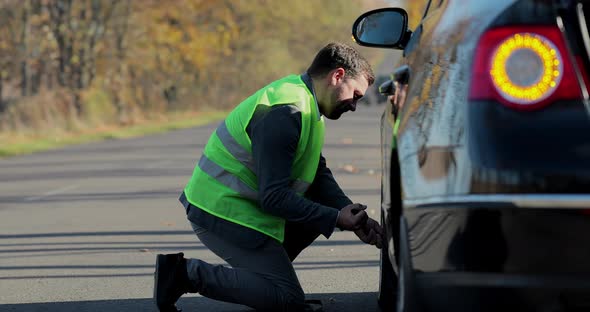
pixel 14 144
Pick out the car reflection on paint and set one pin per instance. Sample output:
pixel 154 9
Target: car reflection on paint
pixel 486 156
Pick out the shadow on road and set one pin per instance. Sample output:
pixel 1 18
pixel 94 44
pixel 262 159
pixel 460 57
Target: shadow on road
pixel 74 270
pixel 332 302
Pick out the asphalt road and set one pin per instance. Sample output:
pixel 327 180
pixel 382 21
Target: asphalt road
pixel 80 227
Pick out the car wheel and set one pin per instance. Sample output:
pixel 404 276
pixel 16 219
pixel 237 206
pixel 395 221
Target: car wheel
pixel 387 278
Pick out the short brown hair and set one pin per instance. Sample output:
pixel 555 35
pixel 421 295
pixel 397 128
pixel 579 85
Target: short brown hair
pixel 335 55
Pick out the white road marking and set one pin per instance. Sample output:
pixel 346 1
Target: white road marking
pixel 53 192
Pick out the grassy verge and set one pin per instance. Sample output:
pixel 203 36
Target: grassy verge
pixel 14 144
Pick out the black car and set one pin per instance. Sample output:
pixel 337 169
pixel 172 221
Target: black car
pixel 486 156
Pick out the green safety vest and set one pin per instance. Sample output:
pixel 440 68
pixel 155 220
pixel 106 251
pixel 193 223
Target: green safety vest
pixel 395 132
pixel 224 183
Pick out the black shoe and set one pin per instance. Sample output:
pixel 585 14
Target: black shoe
pixel 170 281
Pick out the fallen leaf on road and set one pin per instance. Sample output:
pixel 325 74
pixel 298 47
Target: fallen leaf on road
pixel 346 141
pixel 350 169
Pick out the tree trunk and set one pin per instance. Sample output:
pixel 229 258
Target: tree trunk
pixel 36 73
pixel 78 74
pixel 77 103
pixel 60 21
pixel 2 104
pixel 24 50
pixel 120 31
pixel 36 77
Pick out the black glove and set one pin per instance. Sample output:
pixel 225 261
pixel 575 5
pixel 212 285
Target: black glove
pixel 352 217
pixel 371 233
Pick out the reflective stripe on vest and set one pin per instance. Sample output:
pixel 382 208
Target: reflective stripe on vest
pixel 244 157
pixel 239 153
pixel 226 178
pixel 234 183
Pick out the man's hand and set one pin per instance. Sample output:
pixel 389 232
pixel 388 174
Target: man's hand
pixel 371 233
pixel 352 217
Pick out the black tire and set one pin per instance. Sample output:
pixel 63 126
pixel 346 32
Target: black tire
pixel 387 278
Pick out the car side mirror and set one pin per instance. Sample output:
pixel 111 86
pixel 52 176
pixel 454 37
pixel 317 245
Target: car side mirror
pixel 386 28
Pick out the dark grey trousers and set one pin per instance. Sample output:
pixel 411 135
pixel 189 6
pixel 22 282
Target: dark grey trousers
pixel 262 278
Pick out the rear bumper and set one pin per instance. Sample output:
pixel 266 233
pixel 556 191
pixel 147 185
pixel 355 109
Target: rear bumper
pixel 495 280
pixel 545 151
pixel 474 256
pixel 479 237
pixel 503 292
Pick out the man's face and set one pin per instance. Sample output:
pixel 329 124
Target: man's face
pixel 343 94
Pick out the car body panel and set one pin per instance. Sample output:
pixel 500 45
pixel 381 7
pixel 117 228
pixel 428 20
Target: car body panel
pixel 450 148
pixel 431 137
pixel 490 196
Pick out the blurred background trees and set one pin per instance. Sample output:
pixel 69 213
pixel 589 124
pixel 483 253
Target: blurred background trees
pixel 77 63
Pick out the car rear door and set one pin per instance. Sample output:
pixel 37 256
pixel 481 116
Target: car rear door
pixel 423 152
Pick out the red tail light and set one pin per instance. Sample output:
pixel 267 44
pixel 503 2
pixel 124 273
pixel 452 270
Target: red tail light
pixel 523 67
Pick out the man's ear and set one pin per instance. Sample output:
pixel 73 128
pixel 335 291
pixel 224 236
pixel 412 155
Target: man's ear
pixel 337 75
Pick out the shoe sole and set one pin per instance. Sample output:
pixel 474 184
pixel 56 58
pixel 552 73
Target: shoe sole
pixel 161 259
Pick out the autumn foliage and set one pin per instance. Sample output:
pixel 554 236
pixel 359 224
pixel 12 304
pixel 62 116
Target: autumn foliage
pixel 75 63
